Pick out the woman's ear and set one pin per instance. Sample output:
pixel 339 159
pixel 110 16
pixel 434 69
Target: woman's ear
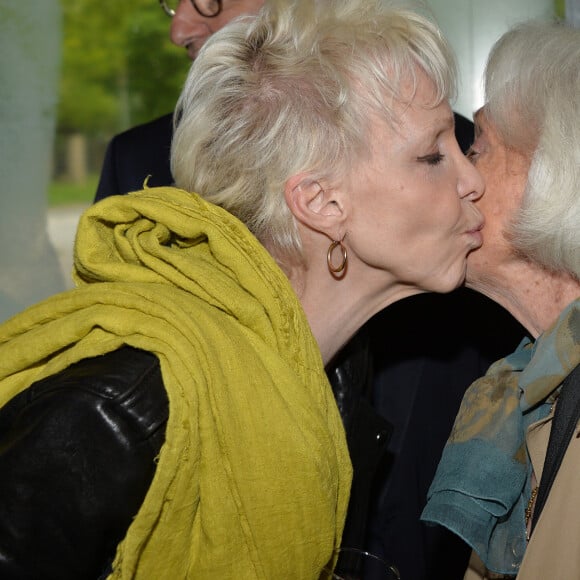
pixel 314 205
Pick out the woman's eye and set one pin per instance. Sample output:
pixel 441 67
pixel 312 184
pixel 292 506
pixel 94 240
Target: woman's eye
pixel 472 154
pixel 433 159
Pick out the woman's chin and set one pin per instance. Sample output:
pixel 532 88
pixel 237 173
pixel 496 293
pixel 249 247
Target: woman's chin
pixel 451 281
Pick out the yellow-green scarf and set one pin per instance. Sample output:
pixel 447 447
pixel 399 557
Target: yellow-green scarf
pixel 254 476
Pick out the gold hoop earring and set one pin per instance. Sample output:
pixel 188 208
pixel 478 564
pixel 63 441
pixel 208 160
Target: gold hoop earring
pixel 337 269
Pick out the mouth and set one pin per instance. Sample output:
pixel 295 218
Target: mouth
pixel 477 228
pixel 476 235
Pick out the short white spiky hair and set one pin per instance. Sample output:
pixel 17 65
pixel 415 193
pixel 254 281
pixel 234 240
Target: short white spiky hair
pixel 292 90
pixel 532 86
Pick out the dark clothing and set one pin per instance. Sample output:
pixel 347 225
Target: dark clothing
pixel 135 155
pixel 90 434
pixel 463 132
pixel 144 151
pixel 77 455
pixel 426 350
pixel 367 432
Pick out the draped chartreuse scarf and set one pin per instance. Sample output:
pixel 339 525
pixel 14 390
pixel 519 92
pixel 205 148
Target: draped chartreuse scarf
pixel 254 475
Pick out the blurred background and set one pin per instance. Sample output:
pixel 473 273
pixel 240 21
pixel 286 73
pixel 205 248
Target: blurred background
pixel 75 72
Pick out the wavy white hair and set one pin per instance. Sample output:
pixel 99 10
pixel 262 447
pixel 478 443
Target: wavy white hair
pixel 532 85
pixel 292 90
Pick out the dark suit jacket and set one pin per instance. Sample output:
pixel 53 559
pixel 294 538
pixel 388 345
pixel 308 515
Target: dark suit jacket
pixel 426 350
pixel 134 155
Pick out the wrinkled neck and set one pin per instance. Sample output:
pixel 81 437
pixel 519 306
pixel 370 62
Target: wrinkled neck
pixel 533 295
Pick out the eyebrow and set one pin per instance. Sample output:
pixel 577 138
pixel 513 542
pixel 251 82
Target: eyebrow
pixel 443 124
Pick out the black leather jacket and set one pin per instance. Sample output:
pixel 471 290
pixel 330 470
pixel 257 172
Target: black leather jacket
pixel 77 455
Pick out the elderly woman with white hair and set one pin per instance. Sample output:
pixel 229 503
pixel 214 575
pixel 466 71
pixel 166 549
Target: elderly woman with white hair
pixel 171 418
pixel 498 484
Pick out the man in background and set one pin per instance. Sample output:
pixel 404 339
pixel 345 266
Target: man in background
pixel 408 367
pixel 144 150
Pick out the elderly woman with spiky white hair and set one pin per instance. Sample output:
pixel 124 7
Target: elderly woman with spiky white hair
pixel 497 486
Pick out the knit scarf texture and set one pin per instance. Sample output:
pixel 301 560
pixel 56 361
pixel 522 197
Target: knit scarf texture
pixel 254 476
pixel 482 485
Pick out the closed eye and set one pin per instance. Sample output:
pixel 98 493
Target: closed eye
pixel 471 154
pixel 433 159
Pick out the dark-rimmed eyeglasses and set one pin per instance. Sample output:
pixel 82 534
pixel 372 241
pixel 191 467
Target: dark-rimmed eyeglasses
pixel 207 8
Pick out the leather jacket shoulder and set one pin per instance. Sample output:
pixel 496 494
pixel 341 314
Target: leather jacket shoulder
pixel 77 455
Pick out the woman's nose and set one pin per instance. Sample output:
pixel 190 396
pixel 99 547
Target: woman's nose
pixel 471 184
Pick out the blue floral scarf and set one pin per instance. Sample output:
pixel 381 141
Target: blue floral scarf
pixel 482 484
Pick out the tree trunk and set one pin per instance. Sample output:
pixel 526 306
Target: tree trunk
pixel 30 41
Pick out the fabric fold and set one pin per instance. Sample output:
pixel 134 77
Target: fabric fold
pixel 253 479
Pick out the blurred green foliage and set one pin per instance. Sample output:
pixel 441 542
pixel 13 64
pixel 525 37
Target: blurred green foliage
pixel 118 66
pixel 69 193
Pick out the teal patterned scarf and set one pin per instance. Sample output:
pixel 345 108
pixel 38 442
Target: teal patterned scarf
pixel 482 484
